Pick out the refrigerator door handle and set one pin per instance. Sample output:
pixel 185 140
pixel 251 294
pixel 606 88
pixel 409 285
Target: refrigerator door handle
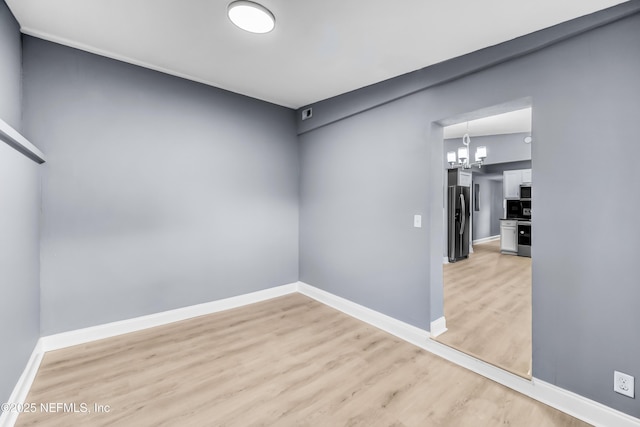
pixel 463 212
pixel 452 224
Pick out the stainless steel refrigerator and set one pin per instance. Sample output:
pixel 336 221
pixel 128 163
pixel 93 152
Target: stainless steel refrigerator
pixel 459 213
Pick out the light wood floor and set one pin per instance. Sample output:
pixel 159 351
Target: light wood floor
pixel 487 304
pixel 289 361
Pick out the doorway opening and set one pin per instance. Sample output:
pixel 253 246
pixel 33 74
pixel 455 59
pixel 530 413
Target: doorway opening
pixel 487 236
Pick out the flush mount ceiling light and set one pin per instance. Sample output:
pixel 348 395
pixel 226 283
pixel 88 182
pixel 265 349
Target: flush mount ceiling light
pixel 251 17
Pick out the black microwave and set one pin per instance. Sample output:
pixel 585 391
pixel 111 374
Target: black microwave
pixel 514 209
pixel 518 209
pixel 525 192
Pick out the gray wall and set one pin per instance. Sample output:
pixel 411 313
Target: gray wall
pixel 358 198
pixel 365 175
pixel 158 192
pixel 10 68
pixel 487 215
pixel 19 230
pixel 161 193
pixel 501 167
pixel 342 106
pixel 497 210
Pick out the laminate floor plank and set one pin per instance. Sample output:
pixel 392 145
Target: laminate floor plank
pixel 487 304
pixel 289 361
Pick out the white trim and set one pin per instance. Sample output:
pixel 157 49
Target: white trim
pixel 445 260
pixel 13 138
pixel 579 406
pixel 122 58
pixel 573 404
pixel 438 327
pixel 388 324
pixel 22 387
pixel 93 333
pixel 486 239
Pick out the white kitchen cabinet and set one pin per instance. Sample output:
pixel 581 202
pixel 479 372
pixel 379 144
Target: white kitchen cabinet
pixel 511 184
pixel 512 181
pixel 509 236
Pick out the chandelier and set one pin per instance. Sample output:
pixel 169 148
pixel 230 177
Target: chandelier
pixel 462 160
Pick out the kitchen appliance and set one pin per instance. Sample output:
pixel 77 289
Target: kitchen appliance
pixel 524 238
pixel 518 209
pixel 459 213
pixel 514 209
pixel 525 206
pixel 525 192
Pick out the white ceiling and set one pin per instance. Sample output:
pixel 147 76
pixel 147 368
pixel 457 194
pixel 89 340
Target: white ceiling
pixel 511 122
pixel 318 49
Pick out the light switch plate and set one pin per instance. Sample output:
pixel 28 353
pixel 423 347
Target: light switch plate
pixel 417 221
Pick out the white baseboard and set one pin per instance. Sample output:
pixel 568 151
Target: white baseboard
pixel 388 324
pixel 21 390
pixel 108 330
pixel 445 260
pixel 438 327
pixel 573 404
pixel 486 239
pixel 86 335
pixel 580 407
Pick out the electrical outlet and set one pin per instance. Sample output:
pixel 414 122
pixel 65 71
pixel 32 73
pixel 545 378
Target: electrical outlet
pixel 417 221
pixel 623 384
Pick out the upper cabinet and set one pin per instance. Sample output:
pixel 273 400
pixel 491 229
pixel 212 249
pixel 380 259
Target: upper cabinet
pixel 512 181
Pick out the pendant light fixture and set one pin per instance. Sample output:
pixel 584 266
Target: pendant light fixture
pixel 462 160
pixel 250 16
